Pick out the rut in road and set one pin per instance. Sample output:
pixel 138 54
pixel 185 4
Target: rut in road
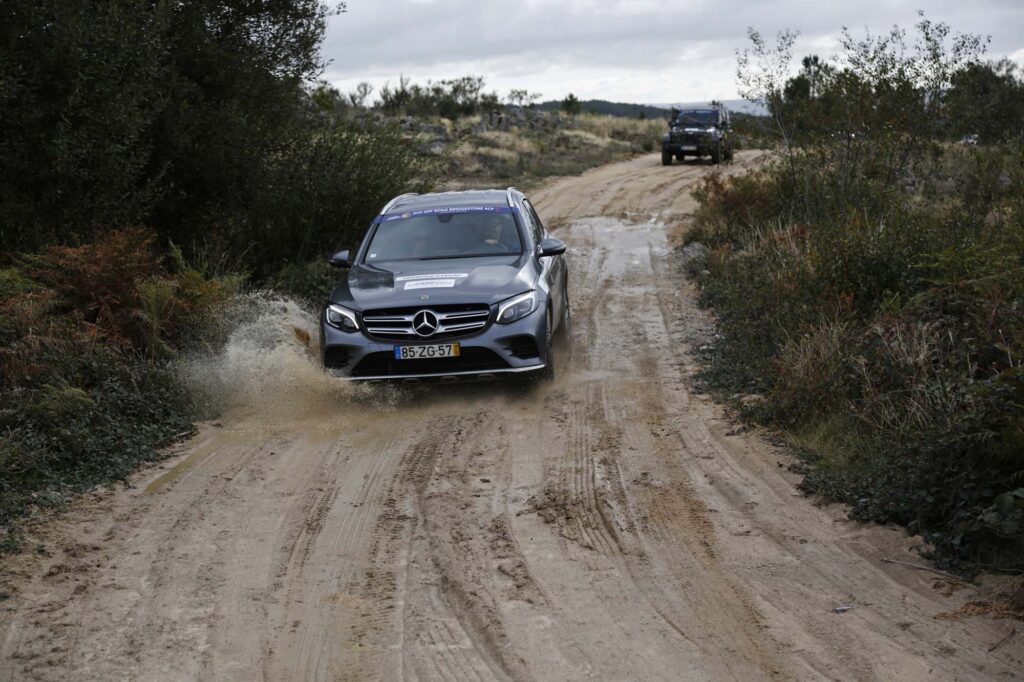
pixel 610 525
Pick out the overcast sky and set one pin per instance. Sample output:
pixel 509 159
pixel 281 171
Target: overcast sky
pixel 652 51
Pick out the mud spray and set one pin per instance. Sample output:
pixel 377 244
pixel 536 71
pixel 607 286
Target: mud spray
pixel 268 368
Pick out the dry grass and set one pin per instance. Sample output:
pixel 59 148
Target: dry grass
pixel 617 128
pixel 552 144
pixel 512 140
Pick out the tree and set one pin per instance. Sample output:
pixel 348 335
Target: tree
pixel 80 90
pixel 359 96
pixel 235 76
pixel 522 98
pixel 329 100
pixel 880 100
pixel 866 121
pixel 571 105
pixel 125 112
pixel 489 101
pixel 987 100
pixel 395 100
pixel 762 72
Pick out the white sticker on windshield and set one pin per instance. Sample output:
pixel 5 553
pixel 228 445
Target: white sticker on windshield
pixel 431 284
pixel 436 275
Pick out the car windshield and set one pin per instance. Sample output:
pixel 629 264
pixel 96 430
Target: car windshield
pixel 445 233
pixel 699 118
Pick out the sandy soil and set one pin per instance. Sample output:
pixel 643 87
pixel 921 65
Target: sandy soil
pixel 611 525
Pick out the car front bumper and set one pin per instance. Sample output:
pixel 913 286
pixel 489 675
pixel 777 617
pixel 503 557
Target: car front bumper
pixel 498 349
pixel 687 148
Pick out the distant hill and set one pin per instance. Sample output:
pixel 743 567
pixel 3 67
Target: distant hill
pixel 627 110
pixel 607 108
pixel 741 106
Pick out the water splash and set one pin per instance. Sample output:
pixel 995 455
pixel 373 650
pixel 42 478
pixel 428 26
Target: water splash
pixel 269 366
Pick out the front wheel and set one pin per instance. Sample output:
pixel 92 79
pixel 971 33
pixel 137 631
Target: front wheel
pixel 566 327
pixel 716 154
pixel 666 158
pixel 548 373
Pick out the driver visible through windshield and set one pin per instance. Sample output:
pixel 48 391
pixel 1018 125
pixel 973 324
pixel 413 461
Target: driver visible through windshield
pixel 445 233
pixel 699 118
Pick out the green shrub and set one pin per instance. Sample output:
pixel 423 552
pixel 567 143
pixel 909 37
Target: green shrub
pixel 58 439
pixel 871 287
pixel 85 392
pixel 201 124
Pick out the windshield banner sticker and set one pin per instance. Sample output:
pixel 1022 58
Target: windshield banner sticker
pixel 431 284
pixel 444 275
pixel 451 210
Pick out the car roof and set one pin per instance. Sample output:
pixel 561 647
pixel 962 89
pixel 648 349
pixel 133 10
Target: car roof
pixel 475 197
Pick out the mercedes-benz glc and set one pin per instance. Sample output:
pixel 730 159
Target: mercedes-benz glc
pixel 446 286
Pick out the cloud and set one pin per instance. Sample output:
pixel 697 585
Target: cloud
pixel 633 50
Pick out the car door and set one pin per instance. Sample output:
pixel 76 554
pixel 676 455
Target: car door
pixel 553 268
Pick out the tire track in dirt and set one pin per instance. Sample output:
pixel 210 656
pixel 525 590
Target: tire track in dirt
pixel 611 525
pixel 457 543
pixel 676 519
pixel 314 588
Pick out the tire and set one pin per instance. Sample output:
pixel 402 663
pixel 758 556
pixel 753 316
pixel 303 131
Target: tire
pixel 716 154
pixel 566 326
pixel 565 331
pixel 548 373
pixel 666 159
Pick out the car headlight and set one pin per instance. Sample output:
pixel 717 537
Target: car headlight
pixel 517 308
pixel 342 318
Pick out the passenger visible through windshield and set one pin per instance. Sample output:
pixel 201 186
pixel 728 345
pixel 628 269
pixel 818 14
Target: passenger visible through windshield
pixel 445 233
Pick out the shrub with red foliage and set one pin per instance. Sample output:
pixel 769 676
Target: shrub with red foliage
pixel 97 284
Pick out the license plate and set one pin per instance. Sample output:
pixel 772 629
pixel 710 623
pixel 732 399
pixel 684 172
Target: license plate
pixel 688 147
pixel 438 350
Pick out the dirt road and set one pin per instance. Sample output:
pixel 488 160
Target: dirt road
pixel 612 525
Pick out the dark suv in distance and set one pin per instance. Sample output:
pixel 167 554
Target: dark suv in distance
pixel 697 132
pixel 446 286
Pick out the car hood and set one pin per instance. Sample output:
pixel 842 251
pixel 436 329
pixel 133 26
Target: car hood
pixel 456 280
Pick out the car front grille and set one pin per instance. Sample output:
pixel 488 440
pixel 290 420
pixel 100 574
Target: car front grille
pixel 469 360
pixel 688 138
pixel 453 321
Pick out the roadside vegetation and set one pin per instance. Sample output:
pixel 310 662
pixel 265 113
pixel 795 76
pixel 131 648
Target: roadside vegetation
pixel 156 158
pixel 159 159
pixel 869 283
pixel 478 139
pixel 524 147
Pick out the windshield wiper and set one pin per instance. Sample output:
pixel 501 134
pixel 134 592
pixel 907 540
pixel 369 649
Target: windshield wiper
pixel 470 255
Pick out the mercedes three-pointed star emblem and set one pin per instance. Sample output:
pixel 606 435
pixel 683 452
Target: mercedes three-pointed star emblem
pixel 425 323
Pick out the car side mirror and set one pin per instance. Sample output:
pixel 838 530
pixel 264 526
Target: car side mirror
pixel 340 260
pixel 551 247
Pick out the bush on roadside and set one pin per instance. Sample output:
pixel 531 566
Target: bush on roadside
pixel 893 354
pixel 202 123
pixel 878 305
pixel 85 392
